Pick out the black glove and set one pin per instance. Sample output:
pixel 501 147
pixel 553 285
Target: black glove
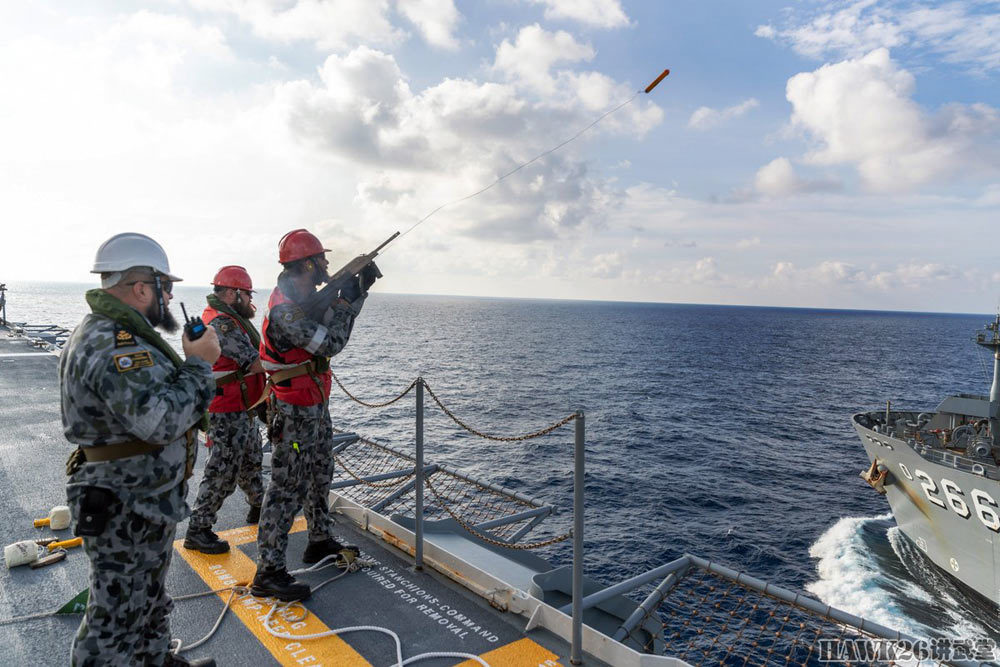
pixel 368 276
pixel 352 291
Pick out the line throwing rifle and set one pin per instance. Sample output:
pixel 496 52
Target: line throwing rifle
pixel 317 304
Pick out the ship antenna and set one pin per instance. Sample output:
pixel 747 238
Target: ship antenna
pixel 991 339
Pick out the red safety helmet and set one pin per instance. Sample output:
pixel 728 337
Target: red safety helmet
pixel 299 244
pixel 235 277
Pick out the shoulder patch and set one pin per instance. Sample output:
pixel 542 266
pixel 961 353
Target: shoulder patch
pixel 124 337
pixel 294 314
pixel 132 360
pixel 225 327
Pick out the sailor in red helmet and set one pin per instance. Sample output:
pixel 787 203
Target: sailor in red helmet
pixel 295 351
pixel 235 454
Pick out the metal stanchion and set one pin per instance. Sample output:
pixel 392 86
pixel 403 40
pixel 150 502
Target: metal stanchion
pixel 418 513
pixel 576 651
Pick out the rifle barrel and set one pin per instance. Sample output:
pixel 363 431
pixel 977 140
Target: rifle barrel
pixel 385 243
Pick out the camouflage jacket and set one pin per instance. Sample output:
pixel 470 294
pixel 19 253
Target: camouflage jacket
pixel 114 387
pixel 235 343
pixel 289 327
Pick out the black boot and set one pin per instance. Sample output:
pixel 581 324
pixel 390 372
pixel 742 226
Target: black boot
pixel 278 584
pixel 205 541
pixel 253 516
pixel 316 551
pixel 174 660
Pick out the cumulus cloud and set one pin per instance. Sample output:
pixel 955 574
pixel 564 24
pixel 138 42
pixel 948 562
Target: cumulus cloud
pixel 743 244
pixel 778 179
pixel 704 118
pixel 960 32
pixel 832 273
pixel 330 24
pixel 596 13
pixel 435 19
pixel 529 59
pixel 422 148
pixel 860 112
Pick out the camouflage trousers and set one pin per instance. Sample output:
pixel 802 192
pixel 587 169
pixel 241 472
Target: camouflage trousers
pixel 301 470
pixel 127 617
pixel 234 459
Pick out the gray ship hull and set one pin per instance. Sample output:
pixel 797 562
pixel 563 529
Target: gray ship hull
pixel 946 504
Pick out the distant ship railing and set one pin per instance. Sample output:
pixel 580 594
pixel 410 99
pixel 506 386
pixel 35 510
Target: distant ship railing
pixel 49 337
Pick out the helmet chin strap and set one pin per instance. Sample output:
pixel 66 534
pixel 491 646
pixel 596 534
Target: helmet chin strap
pixel 159 297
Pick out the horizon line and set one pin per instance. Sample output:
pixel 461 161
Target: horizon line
pixel 578 300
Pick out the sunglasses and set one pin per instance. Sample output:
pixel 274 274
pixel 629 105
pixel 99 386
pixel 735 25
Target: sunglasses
pixel 166 285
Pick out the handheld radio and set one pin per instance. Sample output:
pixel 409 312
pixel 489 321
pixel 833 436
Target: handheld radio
pixel 193 326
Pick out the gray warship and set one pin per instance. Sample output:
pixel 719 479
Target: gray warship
pixel 939 472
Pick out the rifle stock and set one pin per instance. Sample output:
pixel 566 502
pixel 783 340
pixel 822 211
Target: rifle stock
pixel 316 304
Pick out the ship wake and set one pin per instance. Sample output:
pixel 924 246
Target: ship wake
pixel 868 567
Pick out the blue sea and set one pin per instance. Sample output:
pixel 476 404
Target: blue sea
pixel 714 430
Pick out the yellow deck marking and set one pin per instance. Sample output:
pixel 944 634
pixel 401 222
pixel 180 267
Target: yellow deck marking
pixel 228 569
pixel 248 534
pixel 521 653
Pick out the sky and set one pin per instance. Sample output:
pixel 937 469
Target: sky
pixel 809 153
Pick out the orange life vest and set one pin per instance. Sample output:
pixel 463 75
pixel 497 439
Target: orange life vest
pixel 312 388
pixel 229 396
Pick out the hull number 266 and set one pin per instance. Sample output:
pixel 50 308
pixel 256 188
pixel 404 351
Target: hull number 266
pixel 949 495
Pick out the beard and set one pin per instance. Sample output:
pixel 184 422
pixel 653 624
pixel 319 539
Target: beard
pixel 167 323
pixel 245 310
pixel 319 275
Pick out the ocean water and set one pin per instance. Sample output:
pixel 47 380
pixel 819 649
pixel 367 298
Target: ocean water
pixel 719 431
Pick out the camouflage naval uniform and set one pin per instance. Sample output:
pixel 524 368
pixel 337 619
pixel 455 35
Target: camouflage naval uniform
pixel 235 455
pixel 302 455
pixel 115 387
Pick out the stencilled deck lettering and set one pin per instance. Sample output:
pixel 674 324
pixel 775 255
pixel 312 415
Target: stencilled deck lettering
pixel 443 615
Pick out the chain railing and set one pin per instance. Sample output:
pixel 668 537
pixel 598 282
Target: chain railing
pixel 384 404
pixel 576 653
pixel 513 438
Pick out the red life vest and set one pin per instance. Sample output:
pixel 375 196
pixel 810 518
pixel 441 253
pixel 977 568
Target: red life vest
pixel 231 398
pixel 301 390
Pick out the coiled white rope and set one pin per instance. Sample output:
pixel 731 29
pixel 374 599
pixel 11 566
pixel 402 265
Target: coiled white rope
pixel 244 592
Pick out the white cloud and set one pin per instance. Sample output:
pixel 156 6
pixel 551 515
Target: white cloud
pixel 743 244
pixel 960 32
pixel 529 60
pixel 437 20
pixel 597 13
pixel 778 179
pixel 608 265
pixel 418 149
pixel 990 196
pixel 330 24
pixel 830 273
pixel 704 118
pixel 860 112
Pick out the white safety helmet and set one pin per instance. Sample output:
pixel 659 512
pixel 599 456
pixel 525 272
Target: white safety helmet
pixel 124 251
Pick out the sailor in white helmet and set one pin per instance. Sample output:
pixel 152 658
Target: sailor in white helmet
pixel 131 405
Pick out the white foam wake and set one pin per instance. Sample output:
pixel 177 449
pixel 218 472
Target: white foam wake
pixel 850 579
pixel 849 576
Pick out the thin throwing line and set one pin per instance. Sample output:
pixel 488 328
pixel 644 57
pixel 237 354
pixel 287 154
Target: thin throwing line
pixel 523 165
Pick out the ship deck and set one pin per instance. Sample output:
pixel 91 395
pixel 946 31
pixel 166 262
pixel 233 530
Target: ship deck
pixel 429 612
